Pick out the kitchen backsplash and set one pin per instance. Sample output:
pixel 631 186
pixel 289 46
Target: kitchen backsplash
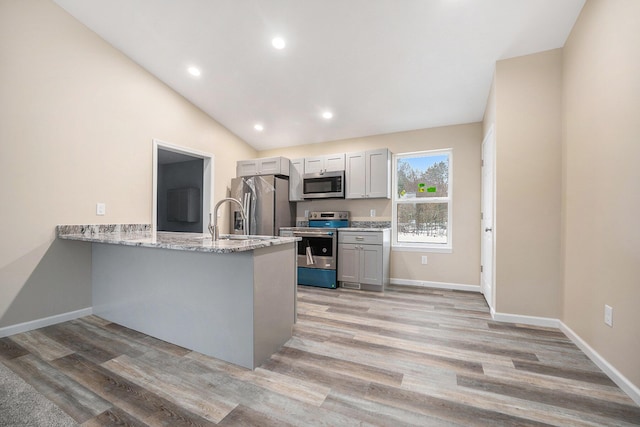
pixel 91 229
pixel 356 224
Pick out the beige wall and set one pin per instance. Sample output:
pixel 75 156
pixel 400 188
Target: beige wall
pixel 463 265
pixel 528 184
pixel 77 119
pixel 602 201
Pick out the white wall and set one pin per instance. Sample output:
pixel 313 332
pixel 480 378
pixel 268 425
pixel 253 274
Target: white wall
pixel 528 184
pixel 77 119
pixel 589 94
pixel 601 201
pixel 463 265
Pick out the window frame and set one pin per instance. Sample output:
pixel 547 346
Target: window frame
pixel 395 201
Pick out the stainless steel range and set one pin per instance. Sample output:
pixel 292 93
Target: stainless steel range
pixel 318 250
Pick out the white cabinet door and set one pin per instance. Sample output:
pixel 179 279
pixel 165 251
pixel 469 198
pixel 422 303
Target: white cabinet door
pixel 378 173
pixel 371 264
pixel 334 162
pixel 263 166
pixel 368 174
pixel 354 176
pixel 348 263
pixel 313 164
pixel 327 163
pixel 270 166
pixel 247 168
pixel 295 180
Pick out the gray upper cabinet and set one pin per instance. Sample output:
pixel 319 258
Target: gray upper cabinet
pixel 263 166
pixel 327 163
pixel 295 180
pixel 368 174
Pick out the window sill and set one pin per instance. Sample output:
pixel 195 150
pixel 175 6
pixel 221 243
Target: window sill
pixel 410 248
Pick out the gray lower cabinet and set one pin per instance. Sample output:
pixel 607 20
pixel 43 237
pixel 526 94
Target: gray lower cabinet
pixel 363 259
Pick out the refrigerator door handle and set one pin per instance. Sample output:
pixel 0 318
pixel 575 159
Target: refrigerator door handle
pixel 246 206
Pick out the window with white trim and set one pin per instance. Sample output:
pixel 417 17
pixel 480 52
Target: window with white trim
pixel 421 217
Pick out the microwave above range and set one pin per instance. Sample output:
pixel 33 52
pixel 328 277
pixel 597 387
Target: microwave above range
pixel 323 185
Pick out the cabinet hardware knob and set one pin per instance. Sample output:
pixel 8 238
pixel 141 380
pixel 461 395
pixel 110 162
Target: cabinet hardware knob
pixel 488 229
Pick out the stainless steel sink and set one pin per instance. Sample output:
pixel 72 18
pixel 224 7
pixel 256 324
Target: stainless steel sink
pixel 234 243
pixel 244 237
pixel 229 240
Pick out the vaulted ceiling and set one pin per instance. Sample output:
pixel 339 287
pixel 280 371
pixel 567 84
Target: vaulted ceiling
pixel 378 66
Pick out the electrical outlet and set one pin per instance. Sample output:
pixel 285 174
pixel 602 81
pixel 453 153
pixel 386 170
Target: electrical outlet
pixel 608 315
pixel 424 259
pixel 101 208
pixel 372 212
pixel 306 213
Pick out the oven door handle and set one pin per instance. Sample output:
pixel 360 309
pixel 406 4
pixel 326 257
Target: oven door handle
pixel 325 234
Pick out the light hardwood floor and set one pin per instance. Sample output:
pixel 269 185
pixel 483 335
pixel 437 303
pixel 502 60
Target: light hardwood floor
pixel 410 356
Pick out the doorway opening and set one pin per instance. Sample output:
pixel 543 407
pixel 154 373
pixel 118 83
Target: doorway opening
pixel 182 188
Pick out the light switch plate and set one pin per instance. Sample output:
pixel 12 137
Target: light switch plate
pixel 372 212
pixel 101 208
pixel 424 259
pixel 608 315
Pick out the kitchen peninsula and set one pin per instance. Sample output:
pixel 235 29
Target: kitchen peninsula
pixel 230 299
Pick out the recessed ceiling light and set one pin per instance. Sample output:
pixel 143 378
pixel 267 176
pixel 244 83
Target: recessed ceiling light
pixel 327 114
pixel 259 127
pixel 194 71
pixel 278 43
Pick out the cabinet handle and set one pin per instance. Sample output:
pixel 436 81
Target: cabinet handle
pixel 359 239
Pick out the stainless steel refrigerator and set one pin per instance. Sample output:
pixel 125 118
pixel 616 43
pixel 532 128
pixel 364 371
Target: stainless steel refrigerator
pixel 266 203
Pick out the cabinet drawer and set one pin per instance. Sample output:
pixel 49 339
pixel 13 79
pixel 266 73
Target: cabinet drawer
pixel 366 237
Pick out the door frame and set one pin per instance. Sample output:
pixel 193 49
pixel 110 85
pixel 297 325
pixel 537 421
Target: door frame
pixel 207 179
pixel 489 148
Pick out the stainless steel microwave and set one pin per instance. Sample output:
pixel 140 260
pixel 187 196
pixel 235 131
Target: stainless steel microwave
pixel 324 185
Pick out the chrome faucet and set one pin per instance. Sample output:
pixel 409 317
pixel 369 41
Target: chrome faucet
pixel 213 229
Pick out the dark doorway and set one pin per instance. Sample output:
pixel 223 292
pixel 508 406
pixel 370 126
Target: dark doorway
pixel 180 191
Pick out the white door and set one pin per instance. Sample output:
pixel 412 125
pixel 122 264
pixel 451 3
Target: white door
pixel 488 188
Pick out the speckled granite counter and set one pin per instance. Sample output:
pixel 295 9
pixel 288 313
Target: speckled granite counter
pixel 362 229
pixel 141 235
pixel 356 229
pixel 230 299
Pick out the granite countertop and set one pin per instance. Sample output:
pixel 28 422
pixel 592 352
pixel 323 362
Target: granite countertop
pixel 362 229
pixel 357 229
pixel 305 228
pixel 141 235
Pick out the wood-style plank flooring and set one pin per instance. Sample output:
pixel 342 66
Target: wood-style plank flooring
pixel 410 356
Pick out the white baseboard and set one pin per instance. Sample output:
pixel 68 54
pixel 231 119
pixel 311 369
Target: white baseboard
pixel 46 321
pixel 436 285
pixel 615 375
pixel 547 322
